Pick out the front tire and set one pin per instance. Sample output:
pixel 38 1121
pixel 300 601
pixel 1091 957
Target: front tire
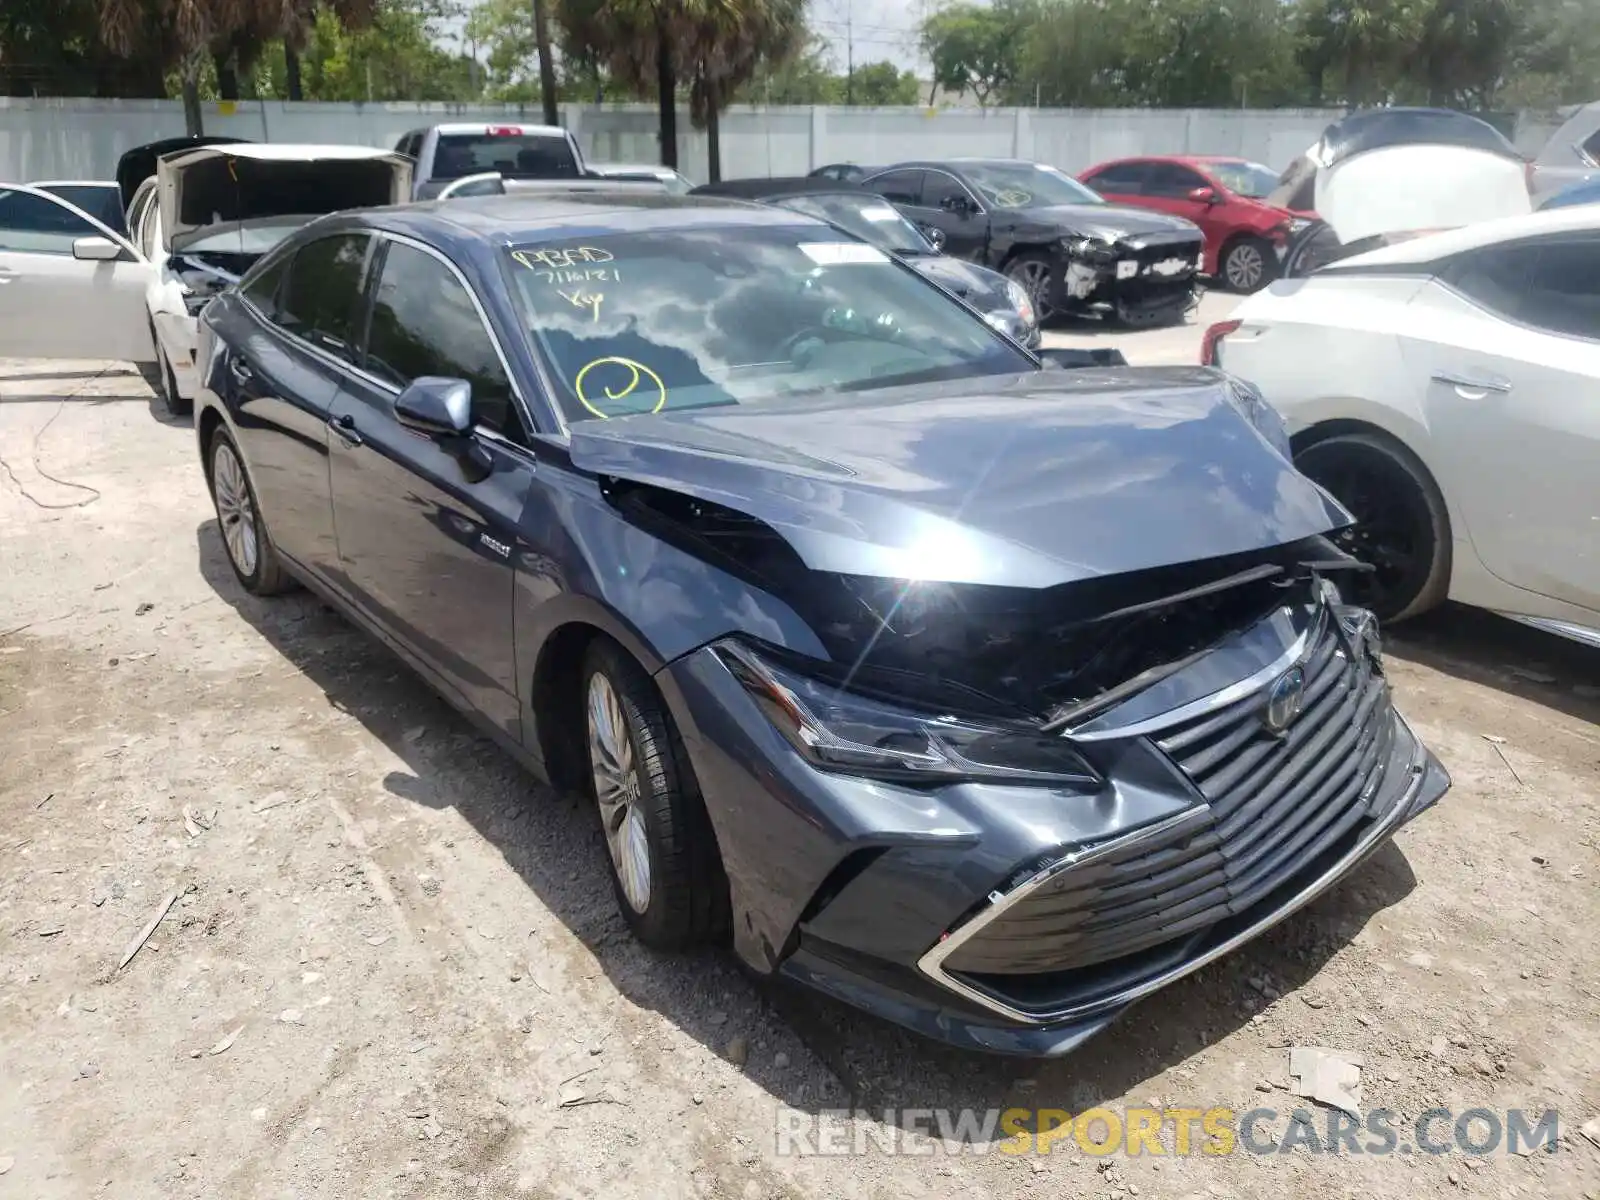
pixel 665 867
pixel 1031 270
pixel 1403 526
pixel 244 534
pixel 174 403
pixel 1248 266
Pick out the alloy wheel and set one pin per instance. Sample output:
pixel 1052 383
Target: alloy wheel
pixel 235 509
pixel 1391 533
pixel 1245 267
pixel 617 791
pixel 1034 276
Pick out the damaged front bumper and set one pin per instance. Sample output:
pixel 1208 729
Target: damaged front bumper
pixel 1138 280
pixel 1025 919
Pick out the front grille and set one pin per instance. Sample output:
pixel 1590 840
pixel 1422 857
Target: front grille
pixel 1274 803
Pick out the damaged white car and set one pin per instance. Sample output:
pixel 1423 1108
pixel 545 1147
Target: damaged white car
pixel 76 289
pixel 1440 371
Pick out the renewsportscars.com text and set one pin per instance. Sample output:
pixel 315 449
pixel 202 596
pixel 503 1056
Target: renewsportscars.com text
pixel 1163 1131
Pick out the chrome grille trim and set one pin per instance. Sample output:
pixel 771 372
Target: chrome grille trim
pixel 932 963
pixel 1268 804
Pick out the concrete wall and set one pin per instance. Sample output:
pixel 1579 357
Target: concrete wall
pixel 81 139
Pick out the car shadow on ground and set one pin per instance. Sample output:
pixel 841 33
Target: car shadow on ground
pixel 1478 646
pixel 554 844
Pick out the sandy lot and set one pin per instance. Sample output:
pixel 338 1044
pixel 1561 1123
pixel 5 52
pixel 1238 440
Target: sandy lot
pixel 393 968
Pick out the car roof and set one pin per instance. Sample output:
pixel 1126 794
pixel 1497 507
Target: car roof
pixel 513 219
pixel 762 188
pixel 1433 246
pixel 289 151
pixel 484 127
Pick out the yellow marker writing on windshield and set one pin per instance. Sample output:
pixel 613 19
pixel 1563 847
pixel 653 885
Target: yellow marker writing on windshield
pixel 637 372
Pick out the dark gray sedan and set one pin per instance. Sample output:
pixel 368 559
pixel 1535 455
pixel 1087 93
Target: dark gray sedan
pixel 986 696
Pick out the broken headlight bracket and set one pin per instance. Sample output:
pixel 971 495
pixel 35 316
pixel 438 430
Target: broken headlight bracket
pixel 839 730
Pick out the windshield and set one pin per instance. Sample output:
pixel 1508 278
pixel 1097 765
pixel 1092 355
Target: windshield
pixel 1245 178
pixel 246 237
pixel 691 318
pixel 514 154
pixel 1027 185
pixel 869 218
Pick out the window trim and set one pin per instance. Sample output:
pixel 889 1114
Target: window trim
pixel 130 252
pixel 919 172
pixel 378 241
pixel 978 209
pixel 1446 273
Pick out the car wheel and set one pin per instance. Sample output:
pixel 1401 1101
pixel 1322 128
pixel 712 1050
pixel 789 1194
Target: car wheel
pixel 244 534
pixel 665 866
pixel 1248 265
pixel 1402 529
pixel 1032 270
pixel 167 380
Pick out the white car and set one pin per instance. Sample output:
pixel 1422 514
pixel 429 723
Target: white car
pixel 70 287
pixel 1446 389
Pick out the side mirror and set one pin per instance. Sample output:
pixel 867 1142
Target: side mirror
pixel 489 183
pixel 435 407
pixel 934 234
pixel 96 249
pixel 1204 195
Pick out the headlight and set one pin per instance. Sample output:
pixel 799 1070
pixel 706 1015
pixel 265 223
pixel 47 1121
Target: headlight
pixel 1296 224
pixel 1091 249
pixel 1017 297
pixel 1267 420
pixel 838 730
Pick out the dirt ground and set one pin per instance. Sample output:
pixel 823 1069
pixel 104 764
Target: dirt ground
pixel 393 967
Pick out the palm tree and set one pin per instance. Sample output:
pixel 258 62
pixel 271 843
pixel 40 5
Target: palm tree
pixel 232 32
pixel 714 46
pixel 728 44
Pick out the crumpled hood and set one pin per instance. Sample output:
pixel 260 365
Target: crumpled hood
pixel 1023 481
pixel 1110 222
pixel 980 287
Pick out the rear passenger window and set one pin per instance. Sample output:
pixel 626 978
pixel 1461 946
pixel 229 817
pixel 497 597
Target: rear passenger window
pixel 425 323
pixel 898 187
pixel 1552 284
pixel 323 292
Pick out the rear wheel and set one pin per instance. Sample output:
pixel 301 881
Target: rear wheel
pixel 665 866
pixel 1402 529
pixel 1247 265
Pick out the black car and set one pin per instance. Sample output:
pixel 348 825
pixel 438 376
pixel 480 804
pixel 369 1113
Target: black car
pixel 1072 251
pixel 985 696
pixel 1005 304
pixel 843 172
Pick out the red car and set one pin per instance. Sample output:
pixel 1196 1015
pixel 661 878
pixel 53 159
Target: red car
pixel 1226 197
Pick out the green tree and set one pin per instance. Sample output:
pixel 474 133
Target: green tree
pixel 1361 46
pixel 712 48
pixel 521 61
pixel 882 84
pixel 978 48
pixel 807 77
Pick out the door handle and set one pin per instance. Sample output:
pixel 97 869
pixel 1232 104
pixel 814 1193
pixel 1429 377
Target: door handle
pixel 345 426
pixel 238 368
pixel 1473 383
